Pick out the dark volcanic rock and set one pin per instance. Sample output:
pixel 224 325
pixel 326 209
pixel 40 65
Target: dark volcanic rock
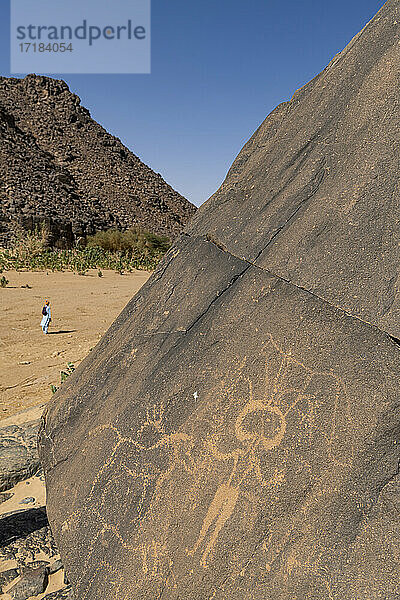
pixel 65 594
pixel 7 577
pixel 23 536
pixel 60 167
pixel 234 435
pixel 17 526
pixel 247 447
pixel 32 583
pixel 30 188
pixel 314 195
pixel 19 458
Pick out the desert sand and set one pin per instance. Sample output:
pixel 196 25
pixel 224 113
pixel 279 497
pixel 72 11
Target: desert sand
pixel 83 307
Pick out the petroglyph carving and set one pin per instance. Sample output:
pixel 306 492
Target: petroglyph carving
pixel 249 421
pixel 260 428
pixel 120 474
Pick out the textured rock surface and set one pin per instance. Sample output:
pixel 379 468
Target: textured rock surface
pixel 18 453
pixel 7 576
pixel 314 195
pixel 32 583
pixel 16 528
pixel 25 535
pixel 60 166
pixel 234 435
pixel 29 176
pixel 65 594
pixel 245 447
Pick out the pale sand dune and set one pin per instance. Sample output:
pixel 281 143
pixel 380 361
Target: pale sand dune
pixel 83 307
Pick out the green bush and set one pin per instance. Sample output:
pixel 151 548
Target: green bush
pixel 113 250
pixel 63 376
pixel 133 240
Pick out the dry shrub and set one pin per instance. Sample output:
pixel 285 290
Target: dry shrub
pixel 133 240
pixel 29 244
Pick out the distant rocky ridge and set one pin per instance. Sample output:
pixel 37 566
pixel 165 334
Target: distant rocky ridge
pixel 59 166
pixel 34 189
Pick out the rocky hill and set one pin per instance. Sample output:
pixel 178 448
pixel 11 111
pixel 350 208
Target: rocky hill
pixel 35 189
pixel 59 165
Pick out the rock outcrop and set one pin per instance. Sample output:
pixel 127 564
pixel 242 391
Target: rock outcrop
pixel 61 167
pixel 236 432
pixel 29 562
pixel 18 453
pixel 314 195
pixel 35 190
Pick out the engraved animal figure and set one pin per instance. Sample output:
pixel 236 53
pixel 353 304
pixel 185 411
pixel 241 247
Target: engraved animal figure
pixel 137 478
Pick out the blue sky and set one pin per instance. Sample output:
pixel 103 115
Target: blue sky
pixel 218 68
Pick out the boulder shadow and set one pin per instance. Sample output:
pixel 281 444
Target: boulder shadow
pixel 21 524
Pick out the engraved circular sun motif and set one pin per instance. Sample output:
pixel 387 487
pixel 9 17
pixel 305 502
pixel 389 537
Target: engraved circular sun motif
pixel 261 423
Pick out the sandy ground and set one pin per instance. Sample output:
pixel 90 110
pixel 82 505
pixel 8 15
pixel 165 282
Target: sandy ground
pixel 83 307
pixel 30 493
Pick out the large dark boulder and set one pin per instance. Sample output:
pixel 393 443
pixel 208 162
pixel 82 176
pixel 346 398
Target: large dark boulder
pixel 32 583
pixel 235 434
pixel 246 445
pixel 314 195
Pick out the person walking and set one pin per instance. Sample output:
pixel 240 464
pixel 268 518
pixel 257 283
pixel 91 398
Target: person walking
pixel 46 317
